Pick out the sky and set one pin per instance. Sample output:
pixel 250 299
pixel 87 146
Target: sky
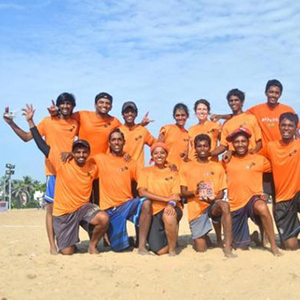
pixel 156 53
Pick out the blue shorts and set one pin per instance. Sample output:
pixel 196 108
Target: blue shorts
pixel 50 187
pixel 240 228
pixel 117 231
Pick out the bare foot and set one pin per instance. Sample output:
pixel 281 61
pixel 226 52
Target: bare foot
pixel 276 251
pixel 228 252
pixel 172 253
pixel 144 251
pixel 53 251
pixel 93 250
pixel 255 238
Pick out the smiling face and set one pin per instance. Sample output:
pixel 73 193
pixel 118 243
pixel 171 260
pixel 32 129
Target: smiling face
pixel 103 106
pixel 235 104
pixel 159 156
pixel 273 94
pixel 240 144
pixel 287 130
pixel 65 108
pixel 129 116
pixel 81 154
pixel 116 143
pixel 180 117
pixel 202 149
pixel 202 112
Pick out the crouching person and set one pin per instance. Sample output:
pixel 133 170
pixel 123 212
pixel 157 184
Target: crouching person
pixel 203 183
pixel 161 185
pixel 72 192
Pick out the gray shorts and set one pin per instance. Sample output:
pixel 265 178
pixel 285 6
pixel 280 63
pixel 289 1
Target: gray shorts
pixel 202 225
pixel 66 227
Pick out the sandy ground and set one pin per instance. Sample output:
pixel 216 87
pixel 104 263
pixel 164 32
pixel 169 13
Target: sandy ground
pixel 27 271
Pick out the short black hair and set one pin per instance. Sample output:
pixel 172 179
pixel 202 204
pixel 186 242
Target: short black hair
pixel 274 82
pixel 290 116
pixel 236 92
pixel 180 106
pixel 202 137
pixel 203 101
pixel 66 97
pixel 116 130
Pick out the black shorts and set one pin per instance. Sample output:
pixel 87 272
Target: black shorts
pixel 286 217
pixel 240 228
pixel 66 227
pixel 268 185
pixel 157 238
pixel 95 194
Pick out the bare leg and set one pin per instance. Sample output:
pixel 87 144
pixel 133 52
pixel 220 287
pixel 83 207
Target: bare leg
pixel 291 244
pixel 261 209
pixel 171 228
pixel 223 208
pixel 49 228
pixel 200 244
pixel 68 251
pixel 145 222
pixel 101 222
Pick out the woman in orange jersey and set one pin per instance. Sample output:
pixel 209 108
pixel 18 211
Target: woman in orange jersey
pixel 175 136
pixel 204 126
pixel 161 185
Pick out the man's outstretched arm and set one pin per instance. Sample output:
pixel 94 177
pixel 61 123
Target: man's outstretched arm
pixel 29 113
pixel 23 135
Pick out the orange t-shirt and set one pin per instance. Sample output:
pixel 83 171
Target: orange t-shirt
pixel 59 135
pixel 115 177
pixel 162 182
pixel 177 140
pixel 268 120
pixel 73 184
pixel 193 173
pixel 244 178
pixel 285 160
pixel 242 120
pixel 212 129
pixel 95 129
pixel 135 139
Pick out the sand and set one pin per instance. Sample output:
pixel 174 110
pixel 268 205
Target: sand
pixel 27 271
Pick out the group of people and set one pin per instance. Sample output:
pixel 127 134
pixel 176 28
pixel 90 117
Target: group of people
pixel 97 179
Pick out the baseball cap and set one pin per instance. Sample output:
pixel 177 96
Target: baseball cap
pixel 105 96
pixel 241 130
pixel 129 104
pixel 81 143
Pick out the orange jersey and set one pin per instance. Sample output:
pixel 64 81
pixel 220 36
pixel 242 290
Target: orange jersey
pixel 135 139
pixel 244 178
pixel 285 160
pixel 95 129
pixel 242 120
pixel 73 184
pixel 115 177
pixel 177 140
pixel 162 182
pixel 268 120
pixel 192 173
pixel 59 134
pixel 212 129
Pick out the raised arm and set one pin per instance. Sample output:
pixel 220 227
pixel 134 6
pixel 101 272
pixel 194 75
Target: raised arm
pixel 29 113
pixel 23 135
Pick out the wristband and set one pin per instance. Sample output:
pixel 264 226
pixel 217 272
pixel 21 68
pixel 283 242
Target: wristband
pixel 173 203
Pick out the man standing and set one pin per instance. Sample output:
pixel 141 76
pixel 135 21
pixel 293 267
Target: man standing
pixel 62 126
pixel 284 155
pixel 72 191
pixel 203 183
pixel 245 191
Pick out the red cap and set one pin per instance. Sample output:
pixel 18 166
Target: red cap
pixel 242 130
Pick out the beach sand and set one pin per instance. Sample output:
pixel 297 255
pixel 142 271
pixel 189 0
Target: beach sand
pixel 28 271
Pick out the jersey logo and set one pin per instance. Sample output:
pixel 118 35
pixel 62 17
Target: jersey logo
pixel 138 137
pixel 185 140
pixel 124 169
pixel 89 174
pixel 248 167
pixel 73 128
pixel 293 152
pixel 209 173
pixel 169 178
pixel 107 124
